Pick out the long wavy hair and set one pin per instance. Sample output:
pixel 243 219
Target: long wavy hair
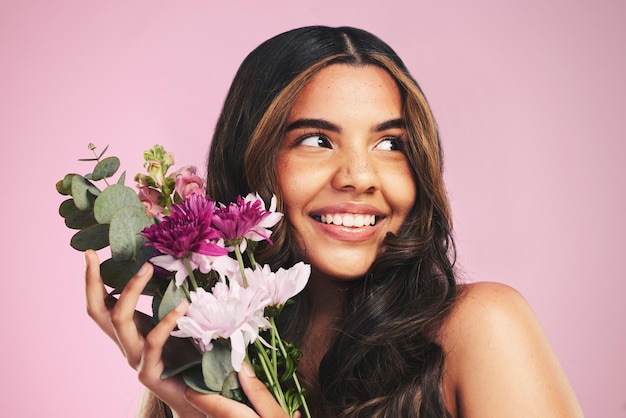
pixel 384 359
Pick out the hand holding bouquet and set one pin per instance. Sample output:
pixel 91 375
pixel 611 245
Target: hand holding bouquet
pixel 204 252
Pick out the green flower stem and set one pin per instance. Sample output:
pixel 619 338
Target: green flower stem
pixel 186 291
pixel 296 381
pixel 252 259
pixel 192 277
pixel 274 333
pixel 241 265
pixel 272 376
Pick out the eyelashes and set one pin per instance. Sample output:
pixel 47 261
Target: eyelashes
pixel 316 140
pixel 319 140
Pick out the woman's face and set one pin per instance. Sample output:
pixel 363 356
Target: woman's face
pixel 344 178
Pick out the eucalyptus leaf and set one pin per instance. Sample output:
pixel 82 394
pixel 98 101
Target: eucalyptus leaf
pixel 116 273
pixel 95 237
pixel 105 168
pixel 67 207
pixel 169 372
pixel 62 190
pixel 173 294
pixel 194 379
pixel 122 178
pixel 126 224
pixel 74 217
pixel 216 366
pixel 231 387
pixel 66 184
pixel 113 198
pixel 84 193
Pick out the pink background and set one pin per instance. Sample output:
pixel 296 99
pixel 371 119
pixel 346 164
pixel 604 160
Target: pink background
pixel 530 99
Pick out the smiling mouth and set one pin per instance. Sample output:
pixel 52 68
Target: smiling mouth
pixel 347 219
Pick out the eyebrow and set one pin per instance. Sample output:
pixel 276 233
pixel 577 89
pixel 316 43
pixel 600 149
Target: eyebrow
pixel 328 126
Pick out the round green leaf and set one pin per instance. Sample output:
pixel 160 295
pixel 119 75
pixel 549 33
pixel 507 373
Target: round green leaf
pixel 67 207
pixel 231 388
pixel 126 224
pixel 74 217
pixel 194 379
pixel 171 297
pixel 105 168
pixel 112 199
pixel 170 371
pixel 216 366
pixel 116 273
pixel 95 237
pixel 65 186
pixel 83 192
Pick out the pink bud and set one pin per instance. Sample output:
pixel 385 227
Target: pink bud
pixel 150 199
pixel 188 183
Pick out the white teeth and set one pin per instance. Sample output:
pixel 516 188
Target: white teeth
pixel 349 220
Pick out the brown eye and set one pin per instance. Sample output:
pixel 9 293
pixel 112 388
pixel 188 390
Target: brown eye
pixel 390 144
pixel 315 141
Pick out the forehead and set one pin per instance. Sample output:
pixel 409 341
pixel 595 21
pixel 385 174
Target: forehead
pixel 344 88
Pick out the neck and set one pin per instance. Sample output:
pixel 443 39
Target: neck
pixel 326 296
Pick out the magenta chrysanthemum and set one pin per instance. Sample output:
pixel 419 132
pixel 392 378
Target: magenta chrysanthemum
pixel 186 230
pixel 246 219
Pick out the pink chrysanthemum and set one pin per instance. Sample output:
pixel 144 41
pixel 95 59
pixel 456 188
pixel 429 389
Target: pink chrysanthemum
pixel 231 313
pixel 281 285
pixel 186 230
pixel 247 219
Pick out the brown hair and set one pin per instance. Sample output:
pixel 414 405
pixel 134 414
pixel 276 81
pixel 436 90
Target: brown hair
pixel 384 360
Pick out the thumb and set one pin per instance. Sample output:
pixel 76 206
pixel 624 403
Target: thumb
pixel 262 400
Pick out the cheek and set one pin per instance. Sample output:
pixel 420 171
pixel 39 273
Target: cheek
pixel 402 191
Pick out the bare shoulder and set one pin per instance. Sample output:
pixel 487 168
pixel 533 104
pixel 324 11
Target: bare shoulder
pixel 486 301
pixel 498 360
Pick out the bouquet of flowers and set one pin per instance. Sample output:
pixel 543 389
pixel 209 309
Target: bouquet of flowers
pixel 203 251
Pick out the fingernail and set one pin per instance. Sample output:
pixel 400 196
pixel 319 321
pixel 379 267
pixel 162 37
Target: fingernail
pixel 182 306
pixel 143 270
pixel 247 369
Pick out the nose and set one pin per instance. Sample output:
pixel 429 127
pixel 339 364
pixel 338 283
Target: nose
pixel 356 172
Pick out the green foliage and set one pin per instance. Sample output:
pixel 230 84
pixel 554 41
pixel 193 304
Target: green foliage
pixel 216 366
pixel 173 294
pixel 214 373
pixel 116 273
pixel 123 236
pixel 83 192
pixel 105 168
pixel 111 217
pixel 74 217
pixel 112 199
pixel 94 237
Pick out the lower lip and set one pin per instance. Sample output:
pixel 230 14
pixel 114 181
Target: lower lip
pixel 345 233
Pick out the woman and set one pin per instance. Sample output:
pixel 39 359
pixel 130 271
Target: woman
pixel 330 120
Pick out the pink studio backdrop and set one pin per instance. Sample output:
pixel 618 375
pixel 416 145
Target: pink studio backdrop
pixel 529 98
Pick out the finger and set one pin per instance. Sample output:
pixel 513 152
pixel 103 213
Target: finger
pixel 151 366
pixel 152 360
pixel 258 394
pixel 123 312
pixel 96 294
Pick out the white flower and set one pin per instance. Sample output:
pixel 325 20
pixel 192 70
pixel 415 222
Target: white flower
pixel 231 313
pixel 282 285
